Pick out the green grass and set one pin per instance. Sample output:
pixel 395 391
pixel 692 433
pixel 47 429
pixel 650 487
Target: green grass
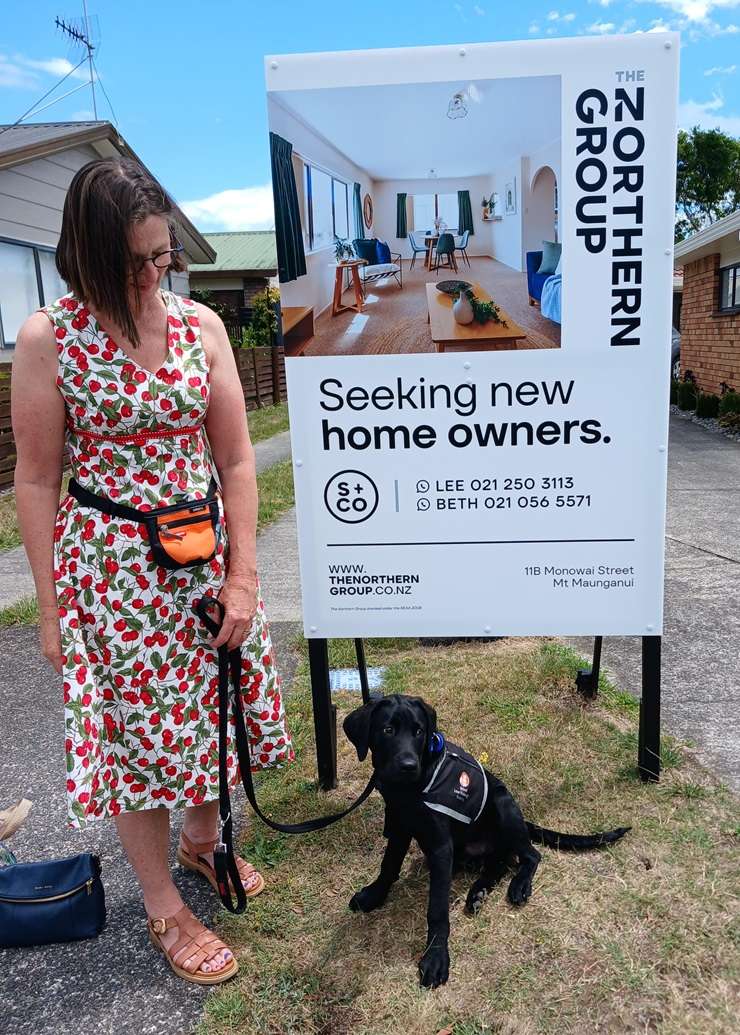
pixel 270 420
pixel 275 489
pixel 639 937
pixel 25 612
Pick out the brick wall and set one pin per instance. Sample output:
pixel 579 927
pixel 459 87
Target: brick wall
pixel 710 342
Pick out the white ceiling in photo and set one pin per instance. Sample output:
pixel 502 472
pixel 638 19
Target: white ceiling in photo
pixel 402 132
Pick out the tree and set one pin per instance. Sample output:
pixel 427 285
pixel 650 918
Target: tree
pixel 707 179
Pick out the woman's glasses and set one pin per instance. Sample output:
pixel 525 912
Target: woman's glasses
pixel 161 260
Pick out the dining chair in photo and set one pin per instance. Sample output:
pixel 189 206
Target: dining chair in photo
pixel 416 248
pixel 461 245
pixel 445 250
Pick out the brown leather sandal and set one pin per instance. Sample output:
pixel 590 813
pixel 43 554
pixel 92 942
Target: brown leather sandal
pixel 196 944
pixel 190 855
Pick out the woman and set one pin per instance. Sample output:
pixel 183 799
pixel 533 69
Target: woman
pixel 142 387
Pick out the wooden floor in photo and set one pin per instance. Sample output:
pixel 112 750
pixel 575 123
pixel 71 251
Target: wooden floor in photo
pixel 394 321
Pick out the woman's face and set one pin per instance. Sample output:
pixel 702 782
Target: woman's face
pixel 147 238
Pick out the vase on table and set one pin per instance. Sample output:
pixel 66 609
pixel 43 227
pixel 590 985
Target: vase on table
pixel 462 310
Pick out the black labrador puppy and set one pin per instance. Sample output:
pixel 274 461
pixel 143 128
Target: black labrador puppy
pixel 440 796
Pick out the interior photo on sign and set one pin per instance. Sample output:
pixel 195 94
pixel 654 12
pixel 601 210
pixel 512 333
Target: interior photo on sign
pixel 419 217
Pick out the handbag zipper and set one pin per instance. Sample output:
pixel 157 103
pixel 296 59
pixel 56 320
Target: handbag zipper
pixel 51 898
pixel 185 521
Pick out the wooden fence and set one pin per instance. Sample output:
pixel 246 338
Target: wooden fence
pixel 261 373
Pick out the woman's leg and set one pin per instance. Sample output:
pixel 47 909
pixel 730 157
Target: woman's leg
pixel 145 838
pixel 201 826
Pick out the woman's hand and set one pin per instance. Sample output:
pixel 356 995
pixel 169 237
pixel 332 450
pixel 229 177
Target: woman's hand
pixel 50 637
pixel 239 598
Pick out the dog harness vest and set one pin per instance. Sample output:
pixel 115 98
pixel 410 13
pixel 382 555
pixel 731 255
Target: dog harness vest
pixel 458 786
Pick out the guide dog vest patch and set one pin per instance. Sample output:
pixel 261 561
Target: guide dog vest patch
pixel 458 786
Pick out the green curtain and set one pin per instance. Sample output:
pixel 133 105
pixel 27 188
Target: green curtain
pixel 288 236
pixel 464 212
pixel 357 209
pixel 401 228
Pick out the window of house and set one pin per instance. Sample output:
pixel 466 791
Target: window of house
pixel 428 207
pixel 28 279
pixel 729 288
pixel 325 208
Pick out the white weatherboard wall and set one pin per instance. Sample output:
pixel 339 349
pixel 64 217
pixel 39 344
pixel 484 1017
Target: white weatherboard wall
pixel 317 287
pixel 385 208
pixel 32 195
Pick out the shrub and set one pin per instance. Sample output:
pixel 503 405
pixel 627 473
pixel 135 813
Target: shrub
pixel 686 395
pixel 674 391
pixel 730 422
pixel 263 326
pixel 729 403
pixel 707 405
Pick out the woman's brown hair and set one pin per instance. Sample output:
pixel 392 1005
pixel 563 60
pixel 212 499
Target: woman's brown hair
pixel 104 199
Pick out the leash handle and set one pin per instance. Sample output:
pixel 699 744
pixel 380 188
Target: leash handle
pixel 229 677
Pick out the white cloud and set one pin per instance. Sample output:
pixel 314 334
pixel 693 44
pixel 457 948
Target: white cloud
pixel 695 10
pixel 247 208
pixel 478 10
pixel 601 27
pixel 13 76
pixel 533 29
pixel 719 70
pixel 56 66
pixel 706 114
pixel 21 72
pixel 553 16
pixel 570 17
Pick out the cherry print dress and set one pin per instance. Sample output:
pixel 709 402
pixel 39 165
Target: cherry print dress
pixel 140 678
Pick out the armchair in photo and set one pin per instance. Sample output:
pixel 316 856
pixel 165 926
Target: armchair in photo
pixel 380 261
pixel 535 280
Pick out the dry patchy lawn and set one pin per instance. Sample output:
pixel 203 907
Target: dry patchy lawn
pixel 641 938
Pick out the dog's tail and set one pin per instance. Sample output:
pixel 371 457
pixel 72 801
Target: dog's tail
pixel 574 842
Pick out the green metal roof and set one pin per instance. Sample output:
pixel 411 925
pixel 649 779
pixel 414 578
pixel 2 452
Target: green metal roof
pixel 238 251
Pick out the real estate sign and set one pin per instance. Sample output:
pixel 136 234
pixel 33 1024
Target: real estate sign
pixel 488 490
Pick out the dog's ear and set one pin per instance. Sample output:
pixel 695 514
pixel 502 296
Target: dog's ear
pixel 430 715
pixel 357 728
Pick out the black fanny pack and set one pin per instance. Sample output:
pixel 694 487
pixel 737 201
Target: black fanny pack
pixel 183 535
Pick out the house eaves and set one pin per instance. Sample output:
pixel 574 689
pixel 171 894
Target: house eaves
pixel 30 141
pixel 706 242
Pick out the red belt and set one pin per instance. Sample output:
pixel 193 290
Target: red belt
pixel 138 437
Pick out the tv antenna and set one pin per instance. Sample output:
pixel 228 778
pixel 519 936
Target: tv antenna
pixel 81 35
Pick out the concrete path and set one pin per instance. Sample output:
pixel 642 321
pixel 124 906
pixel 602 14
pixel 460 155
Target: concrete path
pixel 16 580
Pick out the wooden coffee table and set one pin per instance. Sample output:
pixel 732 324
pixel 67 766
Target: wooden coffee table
pixel 449 336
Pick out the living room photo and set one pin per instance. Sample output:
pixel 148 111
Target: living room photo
pixel 418 217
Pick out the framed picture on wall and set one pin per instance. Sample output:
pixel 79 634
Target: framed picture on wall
pixel 510 198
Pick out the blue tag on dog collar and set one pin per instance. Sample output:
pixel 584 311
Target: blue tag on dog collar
pixel 437 743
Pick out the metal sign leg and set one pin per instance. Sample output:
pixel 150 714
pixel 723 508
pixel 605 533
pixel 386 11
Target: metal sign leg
pixel 648 751
pixel 587 679
pixel 324 714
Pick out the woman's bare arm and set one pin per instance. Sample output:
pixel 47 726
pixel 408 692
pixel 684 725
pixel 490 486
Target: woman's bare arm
pixel 226 426
pixel 37 412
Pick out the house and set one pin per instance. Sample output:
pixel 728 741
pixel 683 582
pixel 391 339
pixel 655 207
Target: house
pixel 428 153
pixel 37 164
pixel 245 263
pixel 710 309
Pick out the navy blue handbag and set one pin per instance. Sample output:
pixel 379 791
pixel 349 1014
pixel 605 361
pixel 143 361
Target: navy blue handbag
pixel 57 901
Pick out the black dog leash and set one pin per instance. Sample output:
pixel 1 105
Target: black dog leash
pixel 229 677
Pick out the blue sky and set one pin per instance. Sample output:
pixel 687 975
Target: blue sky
pixel 186 79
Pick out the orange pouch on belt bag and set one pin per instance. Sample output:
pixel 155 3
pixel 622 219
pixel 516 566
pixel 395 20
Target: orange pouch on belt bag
pixel 183 535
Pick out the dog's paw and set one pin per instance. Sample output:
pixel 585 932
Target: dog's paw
pixel 367 899
pixel 434 967
pixel 519 890
pixel 474 901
